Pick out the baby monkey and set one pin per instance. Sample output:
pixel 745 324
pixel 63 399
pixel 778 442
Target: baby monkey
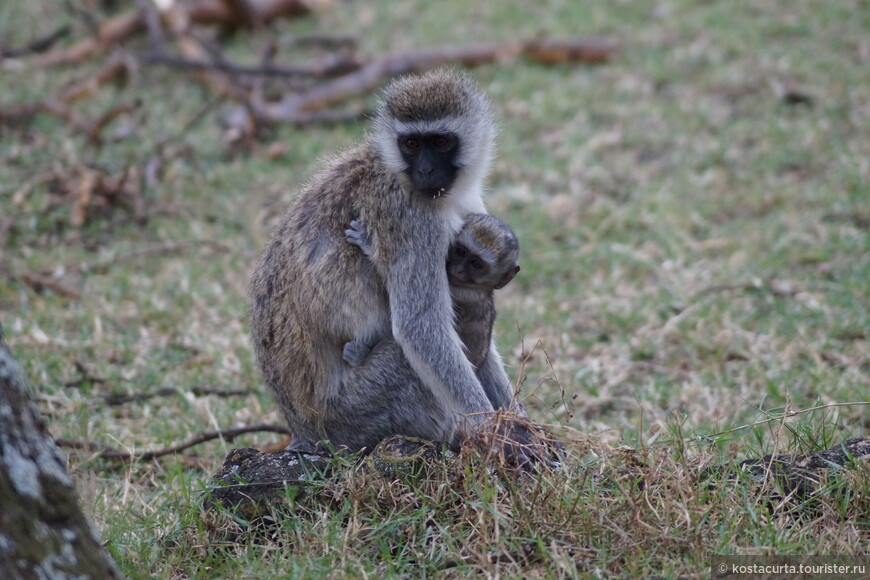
pixel 482 259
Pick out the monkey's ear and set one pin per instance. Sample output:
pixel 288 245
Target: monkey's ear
pixel 508 276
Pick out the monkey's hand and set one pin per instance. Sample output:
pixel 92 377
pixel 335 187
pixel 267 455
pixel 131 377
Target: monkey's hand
pixel 355 353
pixel 358 235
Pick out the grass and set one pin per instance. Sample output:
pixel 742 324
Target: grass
pixel 693 220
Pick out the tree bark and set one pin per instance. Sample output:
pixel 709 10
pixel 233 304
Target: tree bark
pixel 43 532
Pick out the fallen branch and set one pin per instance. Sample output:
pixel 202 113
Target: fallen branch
pixel 115 399
pixel 36 46
pixel 95 134
pixel 59 105
pixel 299 107
pixel 100 450
pixel 248 14
pixel 330 65
pixel 115 68
pixel 110 33
pixel 38 282
pixel 358 74
pixel 115 30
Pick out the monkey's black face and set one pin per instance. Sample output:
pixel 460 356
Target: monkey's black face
pixel 465 268
pixel 431 159
pixel 468 269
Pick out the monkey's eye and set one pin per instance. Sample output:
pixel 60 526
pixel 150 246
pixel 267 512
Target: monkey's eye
pixel 442 142
pixel 411 144
pixel 461 251
pixel 477 264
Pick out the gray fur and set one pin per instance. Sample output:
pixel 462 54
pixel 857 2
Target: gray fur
pixel 473 305
pixel 312 292
pixel 355 353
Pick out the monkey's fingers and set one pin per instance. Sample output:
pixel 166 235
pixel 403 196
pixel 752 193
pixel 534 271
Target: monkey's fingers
pixel 357 235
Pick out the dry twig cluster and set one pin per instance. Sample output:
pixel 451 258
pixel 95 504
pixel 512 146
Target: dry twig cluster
pixel 308 92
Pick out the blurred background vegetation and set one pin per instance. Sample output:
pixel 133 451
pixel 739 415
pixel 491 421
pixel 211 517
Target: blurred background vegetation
pixel 694 218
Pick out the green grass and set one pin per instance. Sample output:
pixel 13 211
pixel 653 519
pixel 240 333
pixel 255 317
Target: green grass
pixel 695 257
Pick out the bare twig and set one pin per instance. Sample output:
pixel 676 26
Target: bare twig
pixel 789 414
pixel 107 452
pixel 329 66
pixel 114 30
pixel 111 32
pixel 115 399
pixel 257 11
pixel 59 105
pixel 98 126
pixel 321 40
pixel 36 46
pixel 775 287
pixel 37 281
pixel 298 107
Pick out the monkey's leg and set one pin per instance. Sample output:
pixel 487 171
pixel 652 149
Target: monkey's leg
pixel 384 397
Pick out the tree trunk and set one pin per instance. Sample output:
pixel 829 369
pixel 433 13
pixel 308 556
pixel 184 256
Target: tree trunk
pixel 43 532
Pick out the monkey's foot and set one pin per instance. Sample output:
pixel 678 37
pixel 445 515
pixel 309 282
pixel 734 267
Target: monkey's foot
pixel 355 353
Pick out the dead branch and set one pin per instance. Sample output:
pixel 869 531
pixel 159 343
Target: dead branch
pixel 93 192
pixel 36 46
pixel 179 25
pixel 330 65
pixel 298 107
pixel 58 105
pixel 116 68
pixel 234 14
pixel 116 399
pixel 38 282
pixel 95 134
pixel 115 30
pixel 85 376
pixel 320 40
pixel 110 33
pixel 107 452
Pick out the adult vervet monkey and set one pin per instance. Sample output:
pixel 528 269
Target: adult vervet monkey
pixel 412 181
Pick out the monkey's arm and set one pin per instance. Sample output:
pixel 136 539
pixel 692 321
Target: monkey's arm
pixel 422 322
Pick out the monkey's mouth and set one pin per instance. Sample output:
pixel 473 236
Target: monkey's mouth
pixel 435 192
